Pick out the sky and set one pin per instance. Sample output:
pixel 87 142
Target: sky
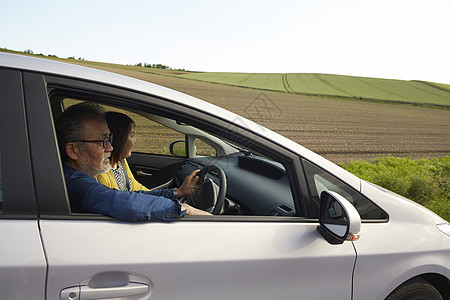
pixel 396 39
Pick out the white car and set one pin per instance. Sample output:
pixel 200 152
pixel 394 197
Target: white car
pixel 288 224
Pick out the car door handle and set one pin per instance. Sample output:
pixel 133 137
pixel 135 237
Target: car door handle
pixel 142 173
pixel 84 292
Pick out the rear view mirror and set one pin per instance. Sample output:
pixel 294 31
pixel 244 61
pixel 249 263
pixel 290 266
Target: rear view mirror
pixel 339 220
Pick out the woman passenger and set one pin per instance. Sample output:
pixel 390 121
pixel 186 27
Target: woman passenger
pixel 120 177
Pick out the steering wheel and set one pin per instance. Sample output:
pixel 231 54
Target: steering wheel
pixel 207 195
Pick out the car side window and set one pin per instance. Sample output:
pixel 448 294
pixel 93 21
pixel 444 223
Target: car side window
pixel 203 148
pixel 152 137
pixel 320 180
pixel 258 181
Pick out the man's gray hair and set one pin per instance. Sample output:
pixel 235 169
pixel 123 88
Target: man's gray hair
pixel 70 125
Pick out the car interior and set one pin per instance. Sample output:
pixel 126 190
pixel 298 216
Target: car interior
pixel 167 150
pixel 241 175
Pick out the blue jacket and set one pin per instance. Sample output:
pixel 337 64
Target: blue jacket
pixel 87 195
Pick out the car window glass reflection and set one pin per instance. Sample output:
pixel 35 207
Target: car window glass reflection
pixel 323 184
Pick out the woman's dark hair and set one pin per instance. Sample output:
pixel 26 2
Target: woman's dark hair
pixel 120 125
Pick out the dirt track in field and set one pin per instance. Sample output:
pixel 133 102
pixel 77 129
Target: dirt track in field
pixel 340 130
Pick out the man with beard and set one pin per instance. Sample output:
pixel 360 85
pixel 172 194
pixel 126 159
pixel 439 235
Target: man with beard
pixel 85 147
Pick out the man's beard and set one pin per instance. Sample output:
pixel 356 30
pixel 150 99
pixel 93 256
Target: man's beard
pixel 94 171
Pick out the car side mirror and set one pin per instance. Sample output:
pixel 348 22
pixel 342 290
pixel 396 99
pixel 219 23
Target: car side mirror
pixel 178 148
pixel 339 220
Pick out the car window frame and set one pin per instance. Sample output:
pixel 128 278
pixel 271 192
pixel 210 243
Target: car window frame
pixel 119 96
pixel 17 171
pixel 346 191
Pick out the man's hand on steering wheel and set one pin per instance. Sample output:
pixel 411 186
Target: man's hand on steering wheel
pixel 188 184
pixel 207 195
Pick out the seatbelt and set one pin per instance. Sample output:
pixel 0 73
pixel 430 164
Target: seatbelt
pixel 125 174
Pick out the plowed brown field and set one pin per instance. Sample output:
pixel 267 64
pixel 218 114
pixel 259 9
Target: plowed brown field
pixel 340 130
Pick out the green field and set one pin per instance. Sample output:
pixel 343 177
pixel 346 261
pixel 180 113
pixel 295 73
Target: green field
pixel 336 86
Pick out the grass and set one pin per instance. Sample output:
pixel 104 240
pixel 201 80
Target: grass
pixel 439 85
pixel 425 181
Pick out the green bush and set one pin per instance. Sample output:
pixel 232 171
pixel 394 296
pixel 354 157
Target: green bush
pixel 426 181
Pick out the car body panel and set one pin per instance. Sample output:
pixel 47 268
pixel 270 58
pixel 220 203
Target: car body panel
pixel 22 261
pixel 398 248
pixel 223 260
pixel 398 255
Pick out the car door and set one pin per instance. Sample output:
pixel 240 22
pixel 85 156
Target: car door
pixel 217 257
pixel 22 259
pixel 197 259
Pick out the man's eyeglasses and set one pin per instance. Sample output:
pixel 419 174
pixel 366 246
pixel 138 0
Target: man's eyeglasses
pixel 106 141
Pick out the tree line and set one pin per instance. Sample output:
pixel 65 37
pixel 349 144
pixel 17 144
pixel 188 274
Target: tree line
pixel 154 66
pixel 157 66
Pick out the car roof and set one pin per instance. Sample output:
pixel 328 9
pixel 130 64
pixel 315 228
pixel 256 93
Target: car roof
pixel 52 67
pixel 59 68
